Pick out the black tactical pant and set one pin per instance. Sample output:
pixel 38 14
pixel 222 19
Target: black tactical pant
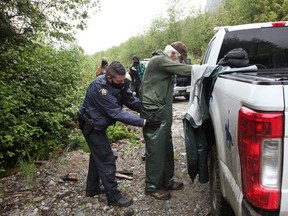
pixel 101 166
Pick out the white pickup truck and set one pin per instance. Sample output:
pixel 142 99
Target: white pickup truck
pixel 248 111
pixel 182 87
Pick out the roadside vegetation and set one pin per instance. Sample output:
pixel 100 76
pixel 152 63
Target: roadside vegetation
pixel 44 73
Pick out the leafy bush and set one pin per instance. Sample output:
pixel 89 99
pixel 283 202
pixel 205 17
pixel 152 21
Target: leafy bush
pixel 119 131
pixel 39 93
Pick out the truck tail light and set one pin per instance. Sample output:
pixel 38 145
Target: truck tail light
pixel 260 150
pixel 279 24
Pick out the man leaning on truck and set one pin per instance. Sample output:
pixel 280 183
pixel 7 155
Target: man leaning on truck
pixel 157 100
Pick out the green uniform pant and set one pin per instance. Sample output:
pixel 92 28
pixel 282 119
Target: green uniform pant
pixel 159 152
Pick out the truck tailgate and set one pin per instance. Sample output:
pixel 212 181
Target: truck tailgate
pixel 229 95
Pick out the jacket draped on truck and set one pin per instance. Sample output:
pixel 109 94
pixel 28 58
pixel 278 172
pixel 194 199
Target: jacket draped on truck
pixel 197 121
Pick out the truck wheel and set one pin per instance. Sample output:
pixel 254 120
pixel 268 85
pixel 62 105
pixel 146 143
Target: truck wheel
pixel 219 206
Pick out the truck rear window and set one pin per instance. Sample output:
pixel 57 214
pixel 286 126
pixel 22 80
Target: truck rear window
pixel 266 47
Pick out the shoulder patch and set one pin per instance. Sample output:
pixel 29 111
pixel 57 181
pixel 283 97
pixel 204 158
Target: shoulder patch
pixel 103 91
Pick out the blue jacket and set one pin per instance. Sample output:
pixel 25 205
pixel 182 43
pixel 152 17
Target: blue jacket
pixel 104 104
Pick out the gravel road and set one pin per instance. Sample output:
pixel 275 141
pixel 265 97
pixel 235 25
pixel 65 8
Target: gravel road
pixel 50 195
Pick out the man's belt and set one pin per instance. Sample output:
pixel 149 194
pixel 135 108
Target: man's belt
pixel 88 125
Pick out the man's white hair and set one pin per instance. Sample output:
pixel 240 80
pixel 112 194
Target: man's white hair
pixel 169 50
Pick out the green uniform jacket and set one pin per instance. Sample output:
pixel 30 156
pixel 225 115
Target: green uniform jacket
pixel 157 89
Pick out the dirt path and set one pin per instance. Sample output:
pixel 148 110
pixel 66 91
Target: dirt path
pixel 49 195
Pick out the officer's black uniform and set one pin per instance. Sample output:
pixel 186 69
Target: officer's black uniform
pixel 102 107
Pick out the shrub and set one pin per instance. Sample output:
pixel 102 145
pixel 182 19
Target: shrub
pixel 39 91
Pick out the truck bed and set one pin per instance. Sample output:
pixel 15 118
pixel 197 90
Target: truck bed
pixel 261 77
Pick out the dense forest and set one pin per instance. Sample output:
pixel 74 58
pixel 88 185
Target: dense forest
pixel 44 73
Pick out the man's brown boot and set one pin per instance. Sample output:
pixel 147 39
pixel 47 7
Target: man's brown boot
pixel 175 186
pixel 159 194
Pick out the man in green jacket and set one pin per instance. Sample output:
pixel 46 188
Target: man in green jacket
pixel 157 101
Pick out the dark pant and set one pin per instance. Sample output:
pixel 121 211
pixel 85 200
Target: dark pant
pixel 135 87
pixel 135 83
pixel 159 154
pixel 101 166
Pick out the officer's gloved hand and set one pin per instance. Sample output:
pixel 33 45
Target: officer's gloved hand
pixel 153 123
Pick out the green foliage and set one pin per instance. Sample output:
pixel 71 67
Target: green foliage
pixel 39 88
pixel 135 143
pixel 234 12
pixel 198 31
pixel 267 10
pixel 119 131
pixel 38 100
pixel 28 169
pixel 38 19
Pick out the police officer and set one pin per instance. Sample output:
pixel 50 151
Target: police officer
pixel 102 106
pixel 157 100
